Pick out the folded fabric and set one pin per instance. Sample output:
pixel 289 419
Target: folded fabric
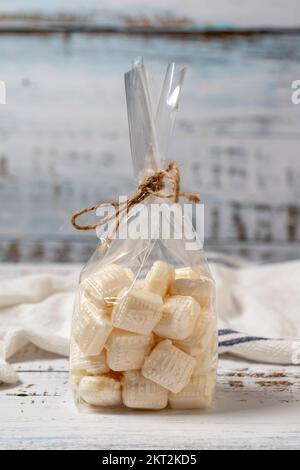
pixel 260 301
pixel 259 349
pixel 263 303
pixel 36 309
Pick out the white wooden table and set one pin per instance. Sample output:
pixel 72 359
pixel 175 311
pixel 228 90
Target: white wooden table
pixel 258 407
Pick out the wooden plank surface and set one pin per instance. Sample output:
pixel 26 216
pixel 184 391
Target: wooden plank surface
pixel 65 145
pixel 257 407
pixel 143 16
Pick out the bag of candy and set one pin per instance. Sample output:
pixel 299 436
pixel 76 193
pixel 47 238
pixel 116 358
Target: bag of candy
pixel 144 329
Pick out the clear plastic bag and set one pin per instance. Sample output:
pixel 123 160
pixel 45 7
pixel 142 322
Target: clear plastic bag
pixel 144 331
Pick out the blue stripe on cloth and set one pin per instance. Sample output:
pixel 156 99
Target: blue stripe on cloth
pixel 227 332
pixel 236 341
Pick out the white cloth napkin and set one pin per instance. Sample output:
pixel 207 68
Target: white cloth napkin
pixel 258 307
pixel 259 312
pixel 36 309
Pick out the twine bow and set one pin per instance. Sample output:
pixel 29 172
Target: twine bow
pixel 152 185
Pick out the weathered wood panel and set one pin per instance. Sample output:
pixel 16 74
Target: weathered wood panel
pixel 256 408
pixel 143 16
pixel 64 137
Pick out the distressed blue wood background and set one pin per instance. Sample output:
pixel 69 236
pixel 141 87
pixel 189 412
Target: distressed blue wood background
pixel 63 132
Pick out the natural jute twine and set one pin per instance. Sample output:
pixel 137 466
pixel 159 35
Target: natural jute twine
pixel 152 185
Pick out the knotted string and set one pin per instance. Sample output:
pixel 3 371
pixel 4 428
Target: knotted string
pixel 152 185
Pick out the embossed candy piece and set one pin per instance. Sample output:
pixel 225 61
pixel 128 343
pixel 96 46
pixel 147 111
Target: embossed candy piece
pixel 100 391
pixel 179 315
pixel 139 284
pixel 192 272
pixel 160 278
pixel 86 365
pixel 168 366
pixel 137 311
pixel 207 358
pixel 104 285
pixel 203 330
pixel 199 393
pixel 200 289
pixel 139 392
pixel 92 327
pixel 186 273
pixel 127 351
pixel 75 381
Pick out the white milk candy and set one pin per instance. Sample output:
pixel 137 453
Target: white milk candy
pixel 139 392
pixel 86 365
pixel 160 278
pixel 104 285
pixel 139 284
pixel 137 311
pixel 207 359
pixel 91 329
pixel 75 381
pixel 186 273
pixel 192 272
pixel 100 391
pixel 199 393
pixel 127 351
pixel 201 289
pixel 178 317
pixel 168 366
pixel 203 330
